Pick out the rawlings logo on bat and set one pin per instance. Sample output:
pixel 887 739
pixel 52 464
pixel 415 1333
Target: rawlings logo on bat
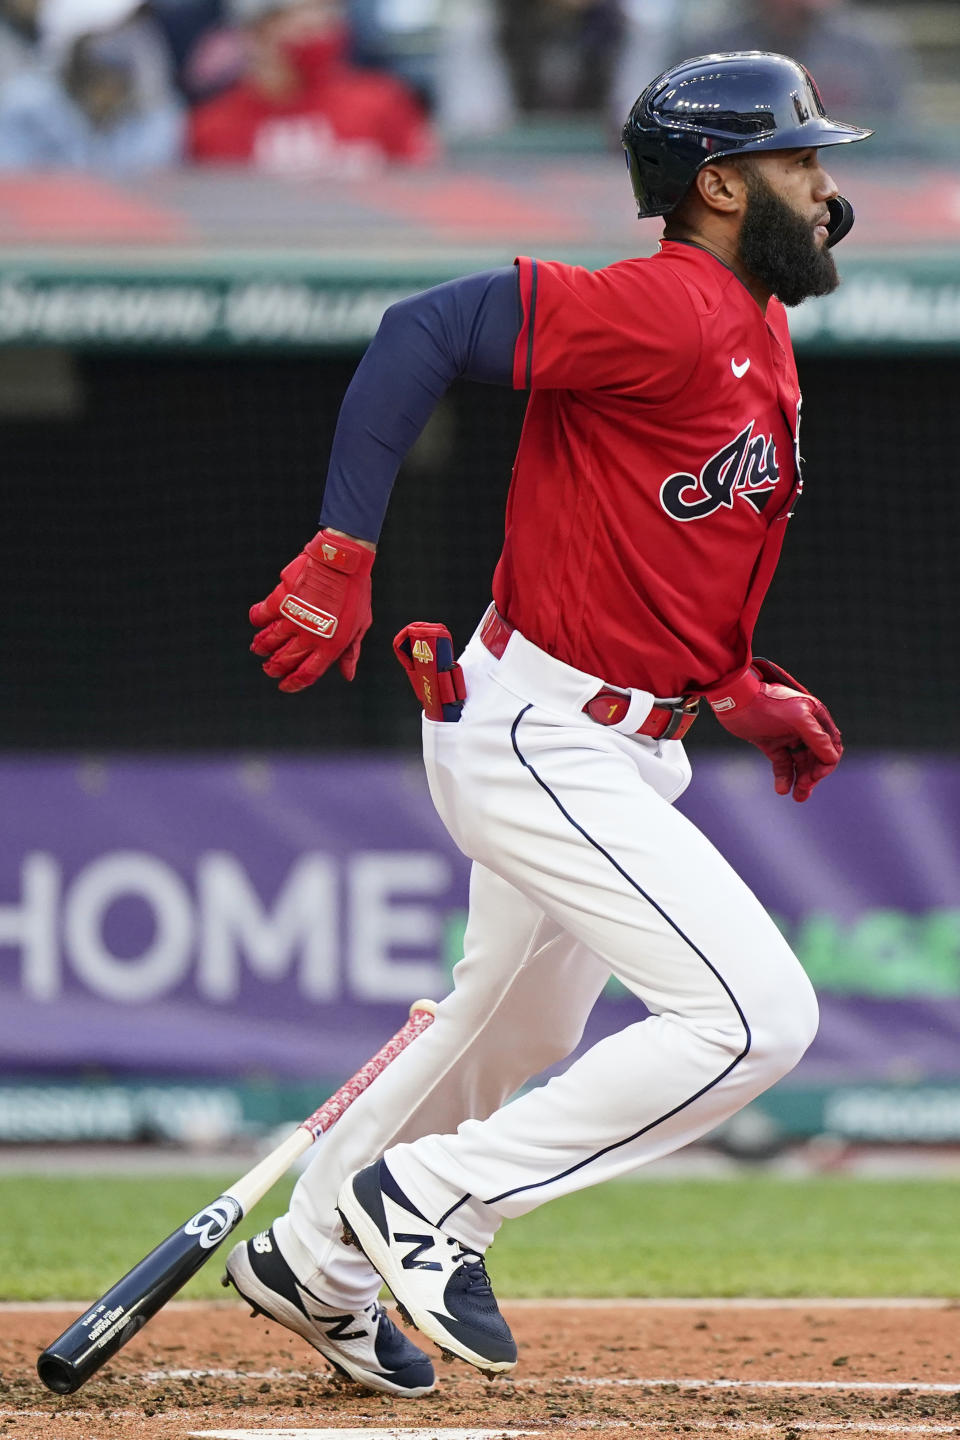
pixel 746 466
pixel 211 1224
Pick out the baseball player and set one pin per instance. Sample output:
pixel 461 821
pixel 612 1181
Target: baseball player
pixel 656 474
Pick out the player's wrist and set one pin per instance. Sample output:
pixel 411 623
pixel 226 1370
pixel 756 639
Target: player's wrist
pixel 341 552
pixel 735 694
pixel 346 535
pixel 743 689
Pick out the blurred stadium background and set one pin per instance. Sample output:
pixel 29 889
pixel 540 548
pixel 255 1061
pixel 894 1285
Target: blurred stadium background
pixel 216 901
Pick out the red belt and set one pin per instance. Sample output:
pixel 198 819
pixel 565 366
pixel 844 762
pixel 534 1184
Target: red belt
pixel 665 721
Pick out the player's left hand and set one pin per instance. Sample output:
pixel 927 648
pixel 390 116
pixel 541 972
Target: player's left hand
pixel 793 728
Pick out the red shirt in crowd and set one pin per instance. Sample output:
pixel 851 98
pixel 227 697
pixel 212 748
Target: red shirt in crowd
pixel 342 121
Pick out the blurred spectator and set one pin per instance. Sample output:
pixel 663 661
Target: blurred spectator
pixel 648 46
pixel 860 59
pixel 560 54
pixel 184 22
pixel 301 106
pixel 19 37
pixel 399 36
pixel 498 61
pixel 104 102
pixel 192 27
pixel 473 96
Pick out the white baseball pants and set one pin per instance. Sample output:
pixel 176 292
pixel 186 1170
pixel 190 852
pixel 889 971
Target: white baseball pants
pixel 582 869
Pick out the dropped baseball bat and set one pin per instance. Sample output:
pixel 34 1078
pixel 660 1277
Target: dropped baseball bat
pixel 127 1306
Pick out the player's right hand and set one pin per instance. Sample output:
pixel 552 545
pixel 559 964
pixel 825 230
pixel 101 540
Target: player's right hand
pixel 793 728
pixel 318 614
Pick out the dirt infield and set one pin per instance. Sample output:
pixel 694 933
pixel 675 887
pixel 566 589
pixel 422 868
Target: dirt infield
pixel 789 1370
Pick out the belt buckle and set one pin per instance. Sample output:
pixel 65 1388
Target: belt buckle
pixel 684 712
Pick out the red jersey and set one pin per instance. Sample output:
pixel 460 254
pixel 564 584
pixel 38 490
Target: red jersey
pixel 342 121
pixel 656 470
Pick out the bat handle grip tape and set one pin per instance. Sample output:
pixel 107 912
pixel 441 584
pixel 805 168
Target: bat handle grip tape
pixel 421 1018
pixel 252 1187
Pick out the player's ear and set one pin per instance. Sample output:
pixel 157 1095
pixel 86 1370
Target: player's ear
pixel 721 187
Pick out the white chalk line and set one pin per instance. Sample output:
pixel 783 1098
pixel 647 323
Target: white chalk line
pixel 919 1387
pixel 20 1413
pixel 154 1377
pixel 630 1302
pixel 278 1433
pixel 853 1427
pixel 744 1302
pixel 758 1427
pixel 925 1387
pixel 768 1427
pixel 75 1307
pixel 725 1427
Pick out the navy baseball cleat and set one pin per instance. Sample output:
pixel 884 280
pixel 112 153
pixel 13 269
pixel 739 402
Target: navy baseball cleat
pixel 440 1285
pixel 364 1345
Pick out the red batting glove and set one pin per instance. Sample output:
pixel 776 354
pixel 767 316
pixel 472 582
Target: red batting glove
pixel 792 727
pixel 318 613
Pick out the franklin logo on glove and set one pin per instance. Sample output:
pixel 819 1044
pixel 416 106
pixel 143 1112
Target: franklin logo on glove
pixel 316 620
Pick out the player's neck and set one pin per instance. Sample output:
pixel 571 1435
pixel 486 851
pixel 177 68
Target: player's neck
pixel 727 254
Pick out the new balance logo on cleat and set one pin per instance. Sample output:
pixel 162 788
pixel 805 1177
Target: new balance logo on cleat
pixel 338 1327
pixel 412 1261
pixel 364 1345
pixel 448 1297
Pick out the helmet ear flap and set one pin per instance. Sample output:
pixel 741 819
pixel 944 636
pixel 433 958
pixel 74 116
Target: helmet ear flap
pixel 841 219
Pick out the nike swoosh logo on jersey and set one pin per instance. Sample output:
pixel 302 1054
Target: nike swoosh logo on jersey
pixel 739 370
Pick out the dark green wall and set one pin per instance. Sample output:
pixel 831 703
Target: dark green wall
pixel 139 529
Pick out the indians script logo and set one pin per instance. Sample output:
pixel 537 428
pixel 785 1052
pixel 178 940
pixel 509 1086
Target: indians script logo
pixel 747 466
pixel 213 1223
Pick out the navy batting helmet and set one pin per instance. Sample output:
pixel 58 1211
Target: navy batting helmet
pixel 716 106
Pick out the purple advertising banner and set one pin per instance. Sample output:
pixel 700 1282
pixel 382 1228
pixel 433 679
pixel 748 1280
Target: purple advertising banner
pixel 273 918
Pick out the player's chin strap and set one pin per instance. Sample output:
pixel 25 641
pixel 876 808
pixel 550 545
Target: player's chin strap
pixel 841 219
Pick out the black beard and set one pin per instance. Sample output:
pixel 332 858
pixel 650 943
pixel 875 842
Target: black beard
pixel 779 249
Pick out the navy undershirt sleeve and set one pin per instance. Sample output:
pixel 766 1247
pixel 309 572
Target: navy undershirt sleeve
pixel 467 327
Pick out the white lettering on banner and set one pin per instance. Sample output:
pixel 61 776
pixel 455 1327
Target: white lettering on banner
pixel 106 311
pixel 379 925
pixel 86 1111
pixel 82 1114
pixel 393 924
pixel 286 310
pixel 924 1114
pixel 165 961
pixel 203 1116
pixel 882 307
pixel 31 926
pixel 233 921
